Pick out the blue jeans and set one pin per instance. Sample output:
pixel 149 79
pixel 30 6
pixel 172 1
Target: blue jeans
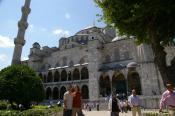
pixel 67 112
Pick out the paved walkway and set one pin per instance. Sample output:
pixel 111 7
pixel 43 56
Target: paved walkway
pixel 103 113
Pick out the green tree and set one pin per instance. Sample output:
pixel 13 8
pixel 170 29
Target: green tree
pixel 20 85
pixel 150 21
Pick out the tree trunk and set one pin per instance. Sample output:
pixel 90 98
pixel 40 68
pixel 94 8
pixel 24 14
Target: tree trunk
pixel 159 53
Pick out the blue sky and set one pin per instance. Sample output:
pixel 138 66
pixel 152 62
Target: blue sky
pixel 48 21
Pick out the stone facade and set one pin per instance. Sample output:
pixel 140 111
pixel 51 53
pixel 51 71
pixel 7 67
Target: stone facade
pixel 99 63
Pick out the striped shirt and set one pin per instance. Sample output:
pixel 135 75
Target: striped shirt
pixel 168 99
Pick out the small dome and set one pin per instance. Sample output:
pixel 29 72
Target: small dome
pixel 36 45
pixel 132 65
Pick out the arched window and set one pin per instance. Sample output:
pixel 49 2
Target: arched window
pixel 85 92
pixel 69 76
pixel 55 93
pixel 56 76
pixel 63 75
pixel 62 91
pixel 119 83
pixel 48 93
pixel 71 63
pixel 134 82
pixel 82 61
pixel 104 86
pixel 84 73
pixel 76 74
pixel 49 77
pixel 57 64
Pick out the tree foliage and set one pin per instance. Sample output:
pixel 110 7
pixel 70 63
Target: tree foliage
pixel 19 84
pixel 134 17
pixel 150 21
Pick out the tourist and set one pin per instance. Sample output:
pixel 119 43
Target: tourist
pixel 77 102
pixel 134 102
pixel 114 105
pixel 97 106
pixel 168 99
pixel 68 100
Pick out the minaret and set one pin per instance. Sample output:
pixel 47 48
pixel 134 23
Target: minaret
pixel 22 26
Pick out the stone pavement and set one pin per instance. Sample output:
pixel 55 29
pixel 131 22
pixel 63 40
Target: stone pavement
pixel 103 113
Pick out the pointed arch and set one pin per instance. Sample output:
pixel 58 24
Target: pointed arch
pixel 63 75
pixel 76 74
pixel 69 76
pixel 85 92
pixel 104 85
pixel 71 63
pixel 119 83
pixel 56 76
pixel 55 93
pixel 62 91
pixel 84 73
pixel 134 82
pixel 49 77
pixel 48 93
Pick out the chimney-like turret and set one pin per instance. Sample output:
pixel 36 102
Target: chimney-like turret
pixel 19 41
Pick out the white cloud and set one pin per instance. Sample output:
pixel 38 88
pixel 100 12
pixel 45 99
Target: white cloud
pixel 6 42
pixel 67 16
pixel 24 58
pixel 61 32
pixel 3 57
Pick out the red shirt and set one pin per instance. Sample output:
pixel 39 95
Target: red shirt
pixel 77 100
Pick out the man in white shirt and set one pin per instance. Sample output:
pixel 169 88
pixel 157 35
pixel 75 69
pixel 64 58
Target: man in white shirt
pixel 68 100
pixel 134 102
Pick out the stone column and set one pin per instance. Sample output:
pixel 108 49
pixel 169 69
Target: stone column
pixel 93 57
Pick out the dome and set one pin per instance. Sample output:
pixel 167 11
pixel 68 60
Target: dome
pixel 132 65
pixel 36 45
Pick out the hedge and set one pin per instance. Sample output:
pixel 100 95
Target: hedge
pixel 35 111
pixel 155 114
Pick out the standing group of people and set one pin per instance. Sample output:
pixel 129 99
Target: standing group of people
pixel 72 101
pixel 167 100
pixel 115 105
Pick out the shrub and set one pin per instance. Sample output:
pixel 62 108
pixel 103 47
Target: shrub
pixel 4 105
pixel 154 114
pixel 20 84
pixel 35 111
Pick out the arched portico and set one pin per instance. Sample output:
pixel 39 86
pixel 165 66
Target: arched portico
pixel 119 83
pixel 55 93
pixel 48 93
pixel 104 86
pixel 62 91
